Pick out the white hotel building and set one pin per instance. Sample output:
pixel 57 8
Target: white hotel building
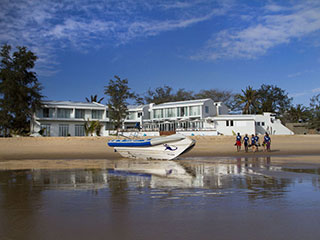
pixel 195 117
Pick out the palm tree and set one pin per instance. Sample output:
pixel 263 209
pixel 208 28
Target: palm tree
pixel 247 100
pixel 297 113
pixel 94 99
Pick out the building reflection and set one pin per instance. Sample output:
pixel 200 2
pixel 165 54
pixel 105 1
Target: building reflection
pixel 252 174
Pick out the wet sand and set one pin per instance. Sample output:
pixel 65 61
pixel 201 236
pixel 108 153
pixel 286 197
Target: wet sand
pixel 90 151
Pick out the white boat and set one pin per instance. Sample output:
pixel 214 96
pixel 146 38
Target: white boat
pixel 164 148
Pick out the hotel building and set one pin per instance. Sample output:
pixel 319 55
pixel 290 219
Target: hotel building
pixel 194 117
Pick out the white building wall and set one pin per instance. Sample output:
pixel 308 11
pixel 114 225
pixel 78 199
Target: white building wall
pixel 212 109
pixel 223 109
pixel 268 123
pixel 241 126
pixel 212 122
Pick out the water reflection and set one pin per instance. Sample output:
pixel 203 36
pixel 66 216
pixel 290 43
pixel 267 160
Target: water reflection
pixel 255 175
pixel 119 200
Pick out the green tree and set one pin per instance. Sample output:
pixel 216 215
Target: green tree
pixel 227 97
pixel 118 94
pixel 271 98
pixel 94 98
pixel 247 101
pixel 166 94
pixel 314 121
pixel 298 113
pixel 159 95
pixel 183 95
pixel 91 127
pixel 20 91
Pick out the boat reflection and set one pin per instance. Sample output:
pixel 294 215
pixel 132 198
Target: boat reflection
pixel 256 175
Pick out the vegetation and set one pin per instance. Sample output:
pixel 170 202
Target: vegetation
pixel 247 101
pixel 272 99
pixel 94 98
pixel 225 96
pixel 20 91
pixel 91 127
pixel 298 113
pixel 314 121
pixel 268 98
pixel 166 94
pixel 118 94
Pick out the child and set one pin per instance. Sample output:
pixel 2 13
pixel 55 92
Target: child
pixel 238 142
pixel 253 143
pixel 257 142
pixel 246 142
pixel 267 142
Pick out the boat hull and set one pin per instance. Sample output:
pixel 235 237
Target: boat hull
pixel 165 151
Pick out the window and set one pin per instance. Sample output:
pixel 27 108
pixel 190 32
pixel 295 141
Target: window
pixel 45 130
pixel 262 123
pixel 258 123
pixel 63 130
pixel 158 113
pixel 131 116
pixel 139 114
pixel 64 113
pixel 229 123
pixel 195 111
pixel 182 111
pixel 79 113
pixel 97 114
pixel 79 130
pixel 47 112
pixel 206 109
pixel 170 112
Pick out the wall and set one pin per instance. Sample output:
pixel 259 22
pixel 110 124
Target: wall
pixel 241 126
pixel 199 133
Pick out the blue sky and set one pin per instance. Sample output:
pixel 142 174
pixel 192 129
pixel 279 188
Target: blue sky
pixel 194 45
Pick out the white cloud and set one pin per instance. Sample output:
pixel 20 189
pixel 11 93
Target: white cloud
pixel 316 90
pixel 309 93
pixel 282 25
pixel 47 26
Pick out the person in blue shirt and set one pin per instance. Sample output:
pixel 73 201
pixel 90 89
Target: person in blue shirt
pixel 257 142
pixel 246 142
pixel 238 142
pixel 253 143
pixel 267 142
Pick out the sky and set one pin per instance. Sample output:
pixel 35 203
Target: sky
pixel 195 45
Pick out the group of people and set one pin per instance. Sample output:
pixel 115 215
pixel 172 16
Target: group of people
pixel 254 144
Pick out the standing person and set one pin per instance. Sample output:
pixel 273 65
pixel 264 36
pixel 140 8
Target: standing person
pixel 238 142
pixel 253 143
pixel 246 142
pixel 267 142
pixel 257 142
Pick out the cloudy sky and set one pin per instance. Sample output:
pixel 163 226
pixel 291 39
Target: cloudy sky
pixel 197 44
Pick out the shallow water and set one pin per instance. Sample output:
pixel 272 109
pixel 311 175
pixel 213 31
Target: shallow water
pixel 241 198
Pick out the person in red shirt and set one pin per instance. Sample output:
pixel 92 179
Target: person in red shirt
pixel 238 142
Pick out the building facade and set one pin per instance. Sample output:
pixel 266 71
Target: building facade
pixel 195 117
pixel 66 118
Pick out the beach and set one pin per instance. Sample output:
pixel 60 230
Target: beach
pixel 77 187
pixel 86 152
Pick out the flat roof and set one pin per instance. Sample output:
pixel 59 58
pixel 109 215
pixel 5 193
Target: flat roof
pixel 189 102
pixel 74 104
